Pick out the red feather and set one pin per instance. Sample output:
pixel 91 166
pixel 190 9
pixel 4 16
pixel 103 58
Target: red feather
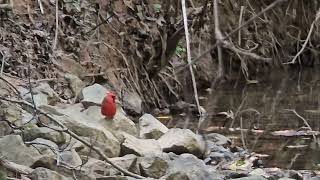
pixel 108 105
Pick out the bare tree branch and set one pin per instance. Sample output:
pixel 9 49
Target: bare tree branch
pixel 272 5
pixel 17 168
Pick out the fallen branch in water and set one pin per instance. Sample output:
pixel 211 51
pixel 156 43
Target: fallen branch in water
pixel 304 121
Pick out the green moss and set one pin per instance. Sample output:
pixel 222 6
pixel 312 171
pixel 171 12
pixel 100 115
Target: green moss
pixel 2 176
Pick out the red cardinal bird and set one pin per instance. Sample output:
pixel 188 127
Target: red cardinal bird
pixel 108 105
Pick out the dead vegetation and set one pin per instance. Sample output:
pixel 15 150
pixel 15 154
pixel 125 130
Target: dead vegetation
pixel 140 46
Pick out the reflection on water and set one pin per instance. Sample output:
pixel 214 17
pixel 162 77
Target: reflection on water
pixel 263 106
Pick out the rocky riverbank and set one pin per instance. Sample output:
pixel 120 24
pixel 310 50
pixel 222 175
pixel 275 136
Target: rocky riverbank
pixel 42 137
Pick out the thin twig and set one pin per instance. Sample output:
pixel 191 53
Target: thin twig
pixel 2 63
pixel 105 21
pixel 185 20
pixel 293 61
pixel 31 91
pixel 12 86
pixel 42 144
pixel 236 114
pixel 169 86
pixel 41 7
pixel 43 80
pixel 293 160
pixel 246 53
pixel 240 22
pixel 304 121
pixel 242 134
pixel 57 27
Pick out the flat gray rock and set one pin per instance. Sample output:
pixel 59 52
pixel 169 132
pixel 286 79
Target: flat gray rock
pixel 140 147
pixel 132 103
pixel 75 83
pixel 73 117
pixel 98 168
pixel 188 167
pixel 181 141
pixel 43 94
pixel 45 133
pixel 70 158
pixel 120 122
pixel 45 146
pixel 41 173
pixel 13 149
pixel 154 165
pixel 255 177
pixel 218 139
pixel 93 95
pixel 150 127
pixel 5 129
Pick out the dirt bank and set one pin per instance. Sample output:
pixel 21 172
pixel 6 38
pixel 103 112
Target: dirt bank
pixel 137 45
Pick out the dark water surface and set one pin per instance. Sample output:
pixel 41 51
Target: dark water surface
pixel 263 106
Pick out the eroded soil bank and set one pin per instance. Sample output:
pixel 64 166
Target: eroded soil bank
pixel 138 46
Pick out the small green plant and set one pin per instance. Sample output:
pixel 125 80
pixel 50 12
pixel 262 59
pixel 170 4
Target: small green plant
pixel 29 126
pixel 240 162
pixel 180 50
pixel 157 7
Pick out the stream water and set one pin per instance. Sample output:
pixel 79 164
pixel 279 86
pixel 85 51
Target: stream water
pixel 266 107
